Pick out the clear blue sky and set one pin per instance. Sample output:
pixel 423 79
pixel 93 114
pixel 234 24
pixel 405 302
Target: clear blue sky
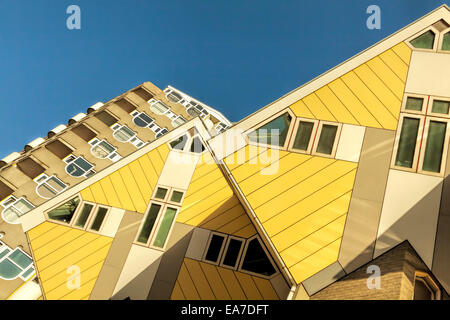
pixel 234 55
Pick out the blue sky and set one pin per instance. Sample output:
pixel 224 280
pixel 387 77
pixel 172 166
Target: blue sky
pixel 235 55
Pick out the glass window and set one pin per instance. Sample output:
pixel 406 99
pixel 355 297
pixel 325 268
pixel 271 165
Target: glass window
pixel 232 254
pixel 158 107
pixel 424 41
pixel 65 212
pixel 99 217
pixel 414 104
pixel 164 228
pixel 176 196
pixel 434 147
pixel 407 143
pixel 446 42
pixel 179 143
pixel 440 106
pixel 142 120
pixel 256 260
pixel 197 145
pixel 161 193
pixel 79 167
pixel 84 215
pixel 14 209
pixel 149 222
pixel 20 258
pixel 174 97
pixel 50 187
pixel 123 134
pixel 273 133
pixel 178 121
pixel 215 246
pixel 326 140
pixel 303 136
pixel 102 149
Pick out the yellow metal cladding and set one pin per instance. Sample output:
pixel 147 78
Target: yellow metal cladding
pixel 56 248
pixel 369 95
pixel 199 281
pixel 131 186
pixel 211 204
pixel 302 204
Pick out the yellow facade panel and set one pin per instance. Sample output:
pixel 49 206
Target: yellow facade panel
pixel 249 286
pixel 341 113
pixel 318 109
pixel 232 284
pixel 301 110
pixel 99 195
pixel 87 195
pixel 246 232
pixel 201 283
pixel 40 230
pixel 216 283
pixel 265 288
pixel 220 217
pixel 396 64
pixel 133 189
pixel 108 188
pixel 383 72
pixel 122 191
pixel 403 51
pixel 177 294
pixel 142 182
pixel 186 284
pixel 236 224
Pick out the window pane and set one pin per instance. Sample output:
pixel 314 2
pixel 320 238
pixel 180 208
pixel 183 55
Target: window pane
pixel 174 97
pixel 74 170
pixel 164 228
pixel 303 136
pixel 326 140
pixel 256 260
pixel 83 164
pixel 149 223
pixel 440 106
pixel 99 217
pixel 414 104
pixel 234 247
pixel 11 215
pixel 20 258
pixel 273 133
pixel 407 143
pixel 176 196
pixel 84 215
pixel 435 145
pixel 424 41
pixel 214 248
pixel 23 205
pixel 123 134
pixel 446 42
pixel 56 184
pixel 179 143
pixel 197 145
pixel 65 212
pixel 45 191
pixel 161 193
pixel 158 107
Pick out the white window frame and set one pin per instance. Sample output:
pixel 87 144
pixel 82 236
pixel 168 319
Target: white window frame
pixel 114 156
pixel 244 252
pixel 312 139
pixel 134 140
pixel 430 107
pixel 420 96
pixel 225 250
pixel 91 217
pixel 70 159
pixel 175 124
pixel 336 139
pixel 429 283
pixel 135 114
pixel 43 179
pixel 441 40
pixel 152 102
pixel 435 44
pixel 10 202
pixel 4 247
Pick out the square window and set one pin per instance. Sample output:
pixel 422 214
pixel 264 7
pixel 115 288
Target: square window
pixel 414 104
pixel 327 138
pixel 161 193
pixel 440 107
pixel 176 196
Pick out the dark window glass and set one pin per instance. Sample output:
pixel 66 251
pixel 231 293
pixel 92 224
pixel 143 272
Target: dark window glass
pixel 326 140
pixel 414 104
pixel 273 133
pixel 303 136
pixel 232 254
pixel 106 118
pixel 440 106
pixel 424 41
pixel 161 193
pixel 84 215
pixel 256 260
pixel 435 145
pixel 149 223
pixel 179 143
pixel 99 217
pixel 164 228
pixel 446 42
pixel 197 145
pixel 65 212
pixel 407 143
pixel 176 196
pixel 214 248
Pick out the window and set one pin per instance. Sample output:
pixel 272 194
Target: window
pixel 144 94
pixel 215 247
pixel 59 149
pixel 446 42
pixel 178 121
pixel 425 288
pixel 160 217
pixel 274 132
pixel 48 187
pixel 14 209
pixel 30 168
pixel 78 167
pixel 305 131
pixel 84 132
pixel 158 107
pixel 327 142
pixel 424 41
pixel 106 118
pixel 256 259
pixel 15 263
pixel 422 135
pixel 5 190
pixel 65 212
pixel 124 134
pixel 188 143
pixel 233 251
pixel 174 96
pixel 141 119
pixel 102 149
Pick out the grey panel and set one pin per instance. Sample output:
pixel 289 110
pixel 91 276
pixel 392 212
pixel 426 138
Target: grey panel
pixel 367 198
pixel 323 278
pixel 117 255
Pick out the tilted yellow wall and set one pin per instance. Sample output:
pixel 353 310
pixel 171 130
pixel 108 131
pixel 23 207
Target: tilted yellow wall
pixel 199 280
pixel 302 207
pixel 211 204
pixel 56 248
pixel 131 187
pixel 369 95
